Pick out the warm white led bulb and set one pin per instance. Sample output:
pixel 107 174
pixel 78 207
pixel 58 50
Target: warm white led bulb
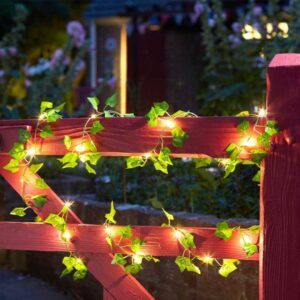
pixel 93 116
pixel 147 155
pixel 108 230
pixel 137 259
pixel 30 152
pixel 68 204
pixel 249 142
pixel 80 148
pixel 168 123
pixel 245 239
pixel 178 234
pixel 42 117
pixel 66 235
pixel 207 259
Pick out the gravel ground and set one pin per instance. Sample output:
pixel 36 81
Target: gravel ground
pixel 15 286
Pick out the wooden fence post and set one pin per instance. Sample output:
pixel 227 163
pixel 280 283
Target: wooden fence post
pixel 280 189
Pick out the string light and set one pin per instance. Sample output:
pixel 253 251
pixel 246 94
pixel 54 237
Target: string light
pixel 147 155
pixel 137 259
pixel 262 113
pixel 109 231
pixel 79 260
pixel 42 117
pixel 168 123
pixel 93 116
pixel 80 148
pixel 207 259
pixel 66 235
pixel 68 204
pixel 245 239
pixel 30 152
pixel 178 234
pixel 249 141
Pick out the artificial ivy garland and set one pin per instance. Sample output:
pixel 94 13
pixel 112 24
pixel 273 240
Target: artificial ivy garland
pixel 87 153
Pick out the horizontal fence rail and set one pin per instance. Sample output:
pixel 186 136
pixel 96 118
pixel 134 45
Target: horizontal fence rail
pixel 208 136
pixel 160 241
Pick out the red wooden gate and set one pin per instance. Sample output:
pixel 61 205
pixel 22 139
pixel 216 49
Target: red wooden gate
pixel 280 192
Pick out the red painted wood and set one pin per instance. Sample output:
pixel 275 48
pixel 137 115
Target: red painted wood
pixel 160 241
pixel 112 277
pixel 280 192
pixel 107 295
pixel 132 136
pixel 9 135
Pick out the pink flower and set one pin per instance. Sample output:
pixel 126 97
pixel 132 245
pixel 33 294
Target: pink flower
pixel 236 27
pixel 55 58
pixel 257 11
pixel 27 83
pixel 198 8
pixel 112 82
pixel 76 31
pixel 12 51
pixel 2 52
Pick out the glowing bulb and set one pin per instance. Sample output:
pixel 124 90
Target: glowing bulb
pixel 93 116
pixel 66 235
pixel 178 234
pixel 284 27
pixel 245 239
pixel 262 113
pixel 249 142
pixel 168 123
pixel 80 148
pixel 147 155
pixel 68 204
pixel 79 260
pixel 109 231
pixel 137 259
pixel 42 117
pixel 30 152
pixel 207 259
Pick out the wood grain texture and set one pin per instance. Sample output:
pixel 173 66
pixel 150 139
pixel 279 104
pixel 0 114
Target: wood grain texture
pixel 280 189
pixel 112 277
pixel 160 241
pixel 208 136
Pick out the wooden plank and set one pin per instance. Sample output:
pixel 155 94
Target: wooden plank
pixel 208 136
pixel 160 241
pixel 9 135
pixel 107 295
pixel 112 277
pixel 280 189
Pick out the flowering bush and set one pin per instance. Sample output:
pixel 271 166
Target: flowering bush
pixel 23 84
pixel 237 54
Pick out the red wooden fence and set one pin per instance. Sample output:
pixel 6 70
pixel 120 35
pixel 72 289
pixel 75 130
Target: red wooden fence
pixel 209 136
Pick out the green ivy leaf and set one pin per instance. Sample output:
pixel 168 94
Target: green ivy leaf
pixel 234 151
pixel 207 260
pixel 188 241
pixel 134 162
pixel 250 249
pixel 254 229
pixel 41 184
pixel 112 100
pixel 202 162
pixel 169 216
pixel 109 241
pixel 223 231
pixel 244 113
pixel 56 221
pixel 110 216
pixel 228 266
pixel 179 136
pixel 89 168
pixel 19 211
pixel 52 115
pixel 92 157
pixel 271 128
pixel 157 110
pixel 150 257
pixel 24 135
pixel 180 114
pixel 69 160
pixel 133 268
pixel 45 105
pixel 164 156
pixel 256 177
pixel 46 132
pixel 39 200
pixel 264 140
pixel 257 155
pixel 17 151
pixel 136 244
pixel 69 263
pixel 67 142
pixel 185 263
pixel 96 127
pixel 90 145
pixel 156 203
pixel 243 126
pixel 12 166
pixel 152 117
pixel 94 102
pixel 125 232
pixel 34 168
pixel 119 260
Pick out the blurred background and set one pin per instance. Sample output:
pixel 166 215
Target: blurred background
pixel 208 57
